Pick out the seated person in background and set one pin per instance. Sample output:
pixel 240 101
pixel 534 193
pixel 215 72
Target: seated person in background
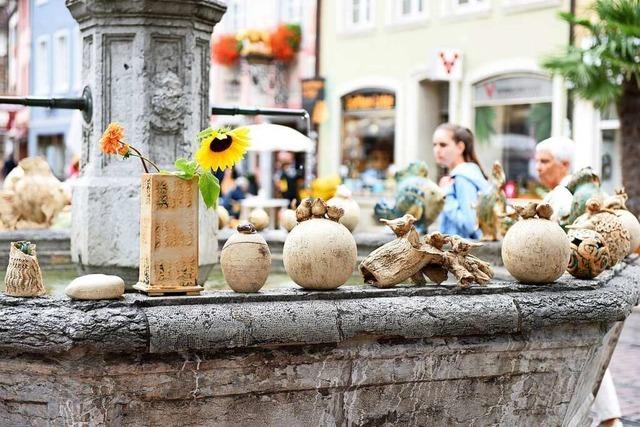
pixel 232 199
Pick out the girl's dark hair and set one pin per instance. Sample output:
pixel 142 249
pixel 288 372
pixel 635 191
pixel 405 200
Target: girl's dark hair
pixel 464 135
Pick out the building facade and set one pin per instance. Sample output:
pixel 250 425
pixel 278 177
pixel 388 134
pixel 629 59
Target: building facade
pixel 15 119
pixel 258 77
pixel 55 72
pixel 395 69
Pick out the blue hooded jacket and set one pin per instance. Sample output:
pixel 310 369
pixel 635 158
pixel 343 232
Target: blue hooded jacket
pixel 459 214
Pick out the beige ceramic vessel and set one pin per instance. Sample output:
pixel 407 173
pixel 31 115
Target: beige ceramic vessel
pixel 536 250
pixel 319 254
pixel 630 222
pixel 259 218
pixel 245 260
pixel 350 207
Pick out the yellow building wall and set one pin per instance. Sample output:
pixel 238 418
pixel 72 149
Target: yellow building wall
pixel 504 39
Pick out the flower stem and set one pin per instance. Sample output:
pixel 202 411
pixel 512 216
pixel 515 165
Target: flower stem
pixel 143 159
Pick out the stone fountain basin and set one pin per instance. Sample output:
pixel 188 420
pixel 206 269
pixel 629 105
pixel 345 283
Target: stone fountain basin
pixel 507 354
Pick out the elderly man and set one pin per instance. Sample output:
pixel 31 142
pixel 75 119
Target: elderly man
pixel 553 164
pixel 554 158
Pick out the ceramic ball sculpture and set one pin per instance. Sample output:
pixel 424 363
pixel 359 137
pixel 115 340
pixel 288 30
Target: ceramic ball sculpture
pixel 589 254
pixel 343 200
pixel 245 260
pixel 288 218
pixel 223 217
pixel 617 202
pixel 319 253
pixel 535 249
pixel 607 224
pixel 259 218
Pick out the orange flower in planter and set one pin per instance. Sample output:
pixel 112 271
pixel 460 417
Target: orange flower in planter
pixel 112 140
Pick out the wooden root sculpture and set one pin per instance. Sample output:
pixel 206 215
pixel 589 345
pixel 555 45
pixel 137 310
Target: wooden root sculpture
pixel 412 257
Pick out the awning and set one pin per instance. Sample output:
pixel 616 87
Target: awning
pixel 270 137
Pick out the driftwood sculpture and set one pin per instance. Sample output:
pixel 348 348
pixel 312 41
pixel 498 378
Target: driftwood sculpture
pixel 411 257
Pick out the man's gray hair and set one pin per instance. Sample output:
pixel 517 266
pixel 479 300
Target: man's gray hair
pixel 560 147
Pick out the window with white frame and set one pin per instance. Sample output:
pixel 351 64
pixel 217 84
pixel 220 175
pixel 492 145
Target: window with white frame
pixel 291 11
pixel 467 6
pixel 409 10
pixel 77 58
pixel 42 64
pixel 359 14
pixel 234 18
pixel 61 68
pixel 525 3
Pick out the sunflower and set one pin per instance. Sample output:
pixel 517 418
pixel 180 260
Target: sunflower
pixel 222 148
pixel 112 140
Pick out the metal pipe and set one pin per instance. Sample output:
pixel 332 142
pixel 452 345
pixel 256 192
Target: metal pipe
pixel 83 103
pixel 246 111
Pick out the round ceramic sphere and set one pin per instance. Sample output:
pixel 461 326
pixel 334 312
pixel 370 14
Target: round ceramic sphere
pixel 589 254
pixel 536 251
pixel 223 217
pixel 630 222
pixel 614 233
pixel 246 262
pixel 319 254
pixel 259 218
pixel 351 210
pixel 288 219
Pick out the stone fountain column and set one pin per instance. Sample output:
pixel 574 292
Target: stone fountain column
pixel 147 64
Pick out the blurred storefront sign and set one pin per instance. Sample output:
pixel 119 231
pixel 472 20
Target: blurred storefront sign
pixel 313 99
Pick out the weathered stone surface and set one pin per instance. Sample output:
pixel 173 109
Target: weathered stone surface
pixel 47 325
pixel 53 246
pixel 506 354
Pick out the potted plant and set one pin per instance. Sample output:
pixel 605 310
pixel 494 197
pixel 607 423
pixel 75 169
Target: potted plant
pixel 169 206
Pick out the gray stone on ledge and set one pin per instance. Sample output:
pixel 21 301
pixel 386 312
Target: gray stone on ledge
pixel 224 320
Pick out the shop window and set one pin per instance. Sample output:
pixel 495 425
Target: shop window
pixel 611 161
pixel 368 139
pixel 512 114
pixel 52 148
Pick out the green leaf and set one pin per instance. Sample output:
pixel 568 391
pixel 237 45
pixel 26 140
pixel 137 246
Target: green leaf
pixel 209 188
pixel 186 168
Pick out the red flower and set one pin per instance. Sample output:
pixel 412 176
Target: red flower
pixel 285 41
pixel 226 49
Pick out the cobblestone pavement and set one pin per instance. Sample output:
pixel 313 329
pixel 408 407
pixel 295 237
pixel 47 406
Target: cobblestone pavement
pixel 625 369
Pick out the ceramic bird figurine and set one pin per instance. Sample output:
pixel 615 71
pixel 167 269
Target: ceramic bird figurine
pixel 400 226
pixel 303 212
pixel 318 208
pixel 334 213
pixel 491 204
pixel 461 246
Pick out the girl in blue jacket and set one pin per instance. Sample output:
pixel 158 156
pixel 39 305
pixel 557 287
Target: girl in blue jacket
pixel 453 149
